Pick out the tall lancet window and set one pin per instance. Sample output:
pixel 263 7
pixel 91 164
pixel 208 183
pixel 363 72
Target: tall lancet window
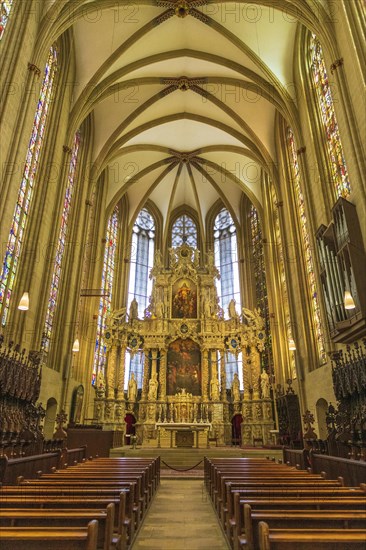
pixel 108 271
pixel 5 8
pixel 226 260
pixel 60 247
pixel 228 286
pixel 259 272
pixel 25 193
pixel 184 230
pixel 328 117
pixel 299 198
pixel 140 285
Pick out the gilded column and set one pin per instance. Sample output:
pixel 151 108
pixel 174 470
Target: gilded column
pixel 162 375
pixel 204 374
pixel 223 375
pixel 145 381
pixel 121 373
pixel 111 371
pixel 246 375
pixel 154 355
pixel 256 371
pixel 214 382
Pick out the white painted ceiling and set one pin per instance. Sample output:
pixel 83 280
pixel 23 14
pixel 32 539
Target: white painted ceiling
pixel 130 66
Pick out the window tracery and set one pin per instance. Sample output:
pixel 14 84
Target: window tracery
pixel 259 270
pixel 25 193
pixel 310 273
pixel 184 230
pixel 338 165
pixel 140 285
pixel 228 286
pixel 60 250
pixel 108 272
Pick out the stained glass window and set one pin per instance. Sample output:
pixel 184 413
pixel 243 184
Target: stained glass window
pixel 25 193
pixel 307 247
pixel 283 282
pixel 140 285
pixel 60 250
pixel 339 171
pixel 228 287
pixel 184 230
pixel 5 8
pixel 108 271
pixel 226 260
pixel 259 271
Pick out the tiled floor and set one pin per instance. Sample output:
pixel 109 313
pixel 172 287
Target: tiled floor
pixel 181 517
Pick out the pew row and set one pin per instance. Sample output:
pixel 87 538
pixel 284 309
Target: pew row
pixel 304 539
pixel 50 538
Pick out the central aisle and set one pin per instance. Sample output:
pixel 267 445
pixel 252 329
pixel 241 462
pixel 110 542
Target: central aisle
pixel 181 517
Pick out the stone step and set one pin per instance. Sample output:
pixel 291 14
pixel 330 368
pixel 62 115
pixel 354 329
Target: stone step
pixel 182 458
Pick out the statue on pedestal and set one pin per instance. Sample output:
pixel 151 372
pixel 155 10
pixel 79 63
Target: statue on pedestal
pixel 153 388
pixel 132 389
pixel 233 314
pixel 134 310
pixel 214 386
pixel 265 384
pixel 235 388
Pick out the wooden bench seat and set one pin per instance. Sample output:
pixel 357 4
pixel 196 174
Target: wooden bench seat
pixel 226 508
pixel 50 538
pixel 124 525
pixel 144 490
pixel 246 532
pixel 306 539
pixel 221 494
pixel 25 517
pixel 89 485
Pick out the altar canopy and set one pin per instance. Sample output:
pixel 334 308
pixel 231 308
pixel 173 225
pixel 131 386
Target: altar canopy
pixel 185 339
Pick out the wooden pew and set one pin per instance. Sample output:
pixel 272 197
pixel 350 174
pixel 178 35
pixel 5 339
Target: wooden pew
pixel 50 538
pixel 25 517
pixel 316 491
pixel 88 485
pixel 284 504
pixel 123 524
pixel 305 539
pixel 246 533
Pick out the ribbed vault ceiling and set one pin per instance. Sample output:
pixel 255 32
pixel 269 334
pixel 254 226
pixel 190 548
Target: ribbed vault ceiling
pixel 183 96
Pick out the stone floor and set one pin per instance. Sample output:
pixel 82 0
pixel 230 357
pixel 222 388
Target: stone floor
pixel 180 517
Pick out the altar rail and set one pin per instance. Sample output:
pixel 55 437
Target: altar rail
pixel 29 466
pixel 353 471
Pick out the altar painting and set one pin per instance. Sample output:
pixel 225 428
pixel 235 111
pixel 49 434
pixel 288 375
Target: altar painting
pixel 184 367
pixel 184 299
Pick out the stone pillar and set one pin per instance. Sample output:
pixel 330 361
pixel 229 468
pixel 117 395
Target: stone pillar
pixel 111 371
pixel 162 376
pixel 256 372
pixel 204 374
pixel 121 374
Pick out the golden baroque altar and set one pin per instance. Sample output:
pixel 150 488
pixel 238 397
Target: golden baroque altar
pixel 184 339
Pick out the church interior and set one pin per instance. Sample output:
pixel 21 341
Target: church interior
pixel 183 228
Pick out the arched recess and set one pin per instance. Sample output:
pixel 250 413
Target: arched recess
pixel 49 419
pixel 236 422
pixel 321 414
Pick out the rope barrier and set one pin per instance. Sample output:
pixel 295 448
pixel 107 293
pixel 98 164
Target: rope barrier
pixel 184 469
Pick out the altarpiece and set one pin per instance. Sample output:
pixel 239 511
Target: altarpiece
pixel 185 339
